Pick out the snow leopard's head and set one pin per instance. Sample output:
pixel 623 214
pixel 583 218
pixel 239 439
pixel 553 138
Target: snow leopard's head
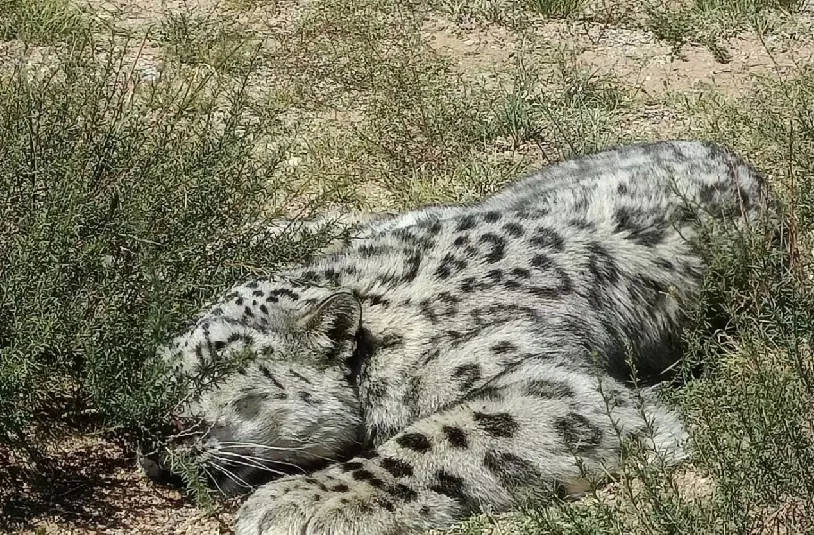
pixel 275 365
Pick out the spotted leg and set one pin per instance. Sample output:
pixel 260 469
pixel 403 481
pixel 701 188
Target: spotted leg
pixel 513 440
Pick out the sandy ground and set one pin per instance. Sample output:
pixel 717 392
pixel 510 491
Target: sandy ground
pixel 93 486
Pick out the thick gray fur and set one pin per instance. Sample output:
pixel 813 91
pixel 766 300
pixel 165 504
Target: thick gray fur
pixel 460 358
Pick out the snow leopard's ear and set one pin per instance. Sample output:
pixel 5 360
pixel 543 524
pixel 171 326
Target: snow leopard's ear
pixel 333 322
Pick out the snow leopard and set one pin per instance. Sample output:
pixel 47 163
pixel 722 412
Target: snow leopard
pixel 462 358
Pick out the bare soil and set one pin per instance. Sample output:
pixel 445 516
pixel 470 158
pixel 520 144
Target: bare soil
pixel 92 485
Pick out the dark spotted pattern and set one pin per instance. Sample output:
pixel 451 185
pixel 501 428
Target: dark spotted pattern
pixel 492 216
pixel 364 475
pixel 488 393
pixel 512 471
pixel 414 441
pixel 514 230
pixel 396 467
pixel 467 222
pixel 469 374
pixel 548 238
pixel 498 425
pixel 453 487
pixel 502 347
pixel 402 492
pixel 545 388
pixel 449 265
pixel 497 250
pixel 578 432
pixel 455 436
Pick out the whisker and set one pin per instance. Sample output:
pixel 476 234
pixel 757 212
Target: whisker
pixel 324 458
pixel 264 460
pixel 292 465
pixel 262 446
pixel 240 462
pixel 299 449
pixel 243 456
pixel 215 481
pixel 231 475
pixel 185 434
pixel 298 439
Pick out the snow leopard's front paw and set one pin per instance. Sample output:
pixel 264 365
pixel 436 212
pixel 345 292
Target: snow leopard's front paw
pixel 333 501
pixel 282 507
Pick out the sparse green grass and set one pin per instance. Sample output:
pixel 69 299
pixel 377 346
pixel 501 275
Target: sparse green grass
pixel 747 8
pixel 673 25
pixel 210 39
pixel 41 22
pixel 711 22
pixel 423 132
pixel 555 8
pixel 250 5
pixel 511 13
pixel 466 12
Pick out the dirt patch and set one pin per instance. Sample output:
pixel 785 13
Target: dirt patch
pixel 481 52
pixel 144 16
pixel 634 56
pixel 653 67
pixel 92 485
pixel 34 59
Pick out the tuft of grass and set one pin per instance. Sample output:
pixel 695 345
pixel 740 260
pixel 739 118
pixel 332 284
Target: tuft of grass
pixel 555 9
pixel 674 26
pixel 510 13
pixel 42 22
pixel 573 112
pixel 212 39
pixel 711 22
pixel 747 8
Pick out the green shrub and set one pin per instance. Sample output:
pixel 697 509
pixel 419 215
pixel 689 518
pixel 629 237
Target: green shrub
pixel 112 190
